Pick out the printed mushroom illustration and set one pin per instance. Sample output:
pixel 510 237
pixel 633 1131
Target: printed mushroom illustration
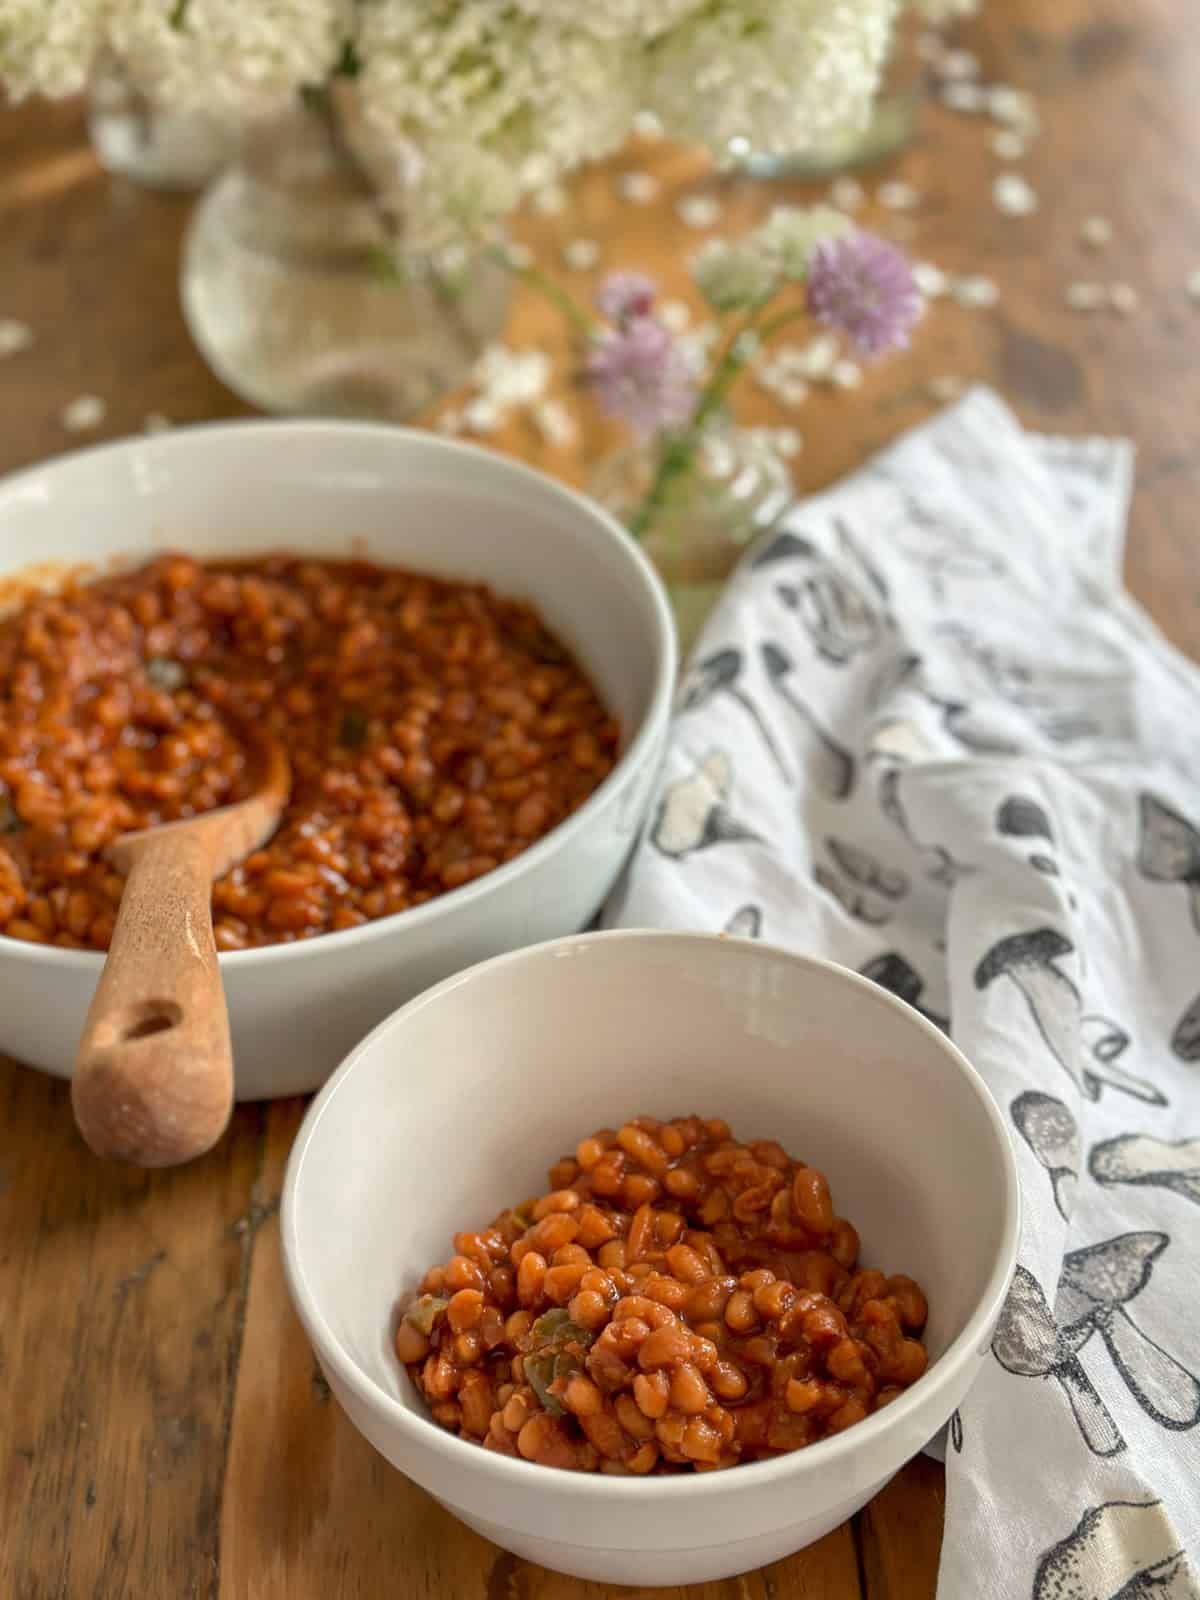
pixel 721 673
pixel 745 923
pixel 837 618
pixel 787 547
pixel 1028 961
pixel 852 900
pixel 851 546
pixel 1121 1550
pixel 1139 1158
pixel 1021 818
pixel 1105 1041
pixel 869 878
pixel 1096 1286
pixel 832 766
pixel 899 977
pixel 945 869
pixel 1030 1343
pixel 1169 849
pixel 1051 1132
pixel 692 814
pixel 1185 1041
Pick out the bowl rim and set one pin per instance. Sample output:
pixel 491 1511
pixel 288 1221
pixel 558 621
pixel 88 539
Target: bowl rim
pixel 586 510
pixel 828 1452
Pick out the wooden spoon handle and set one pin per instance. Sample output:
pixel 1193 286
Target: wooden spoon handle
pixel 153 1079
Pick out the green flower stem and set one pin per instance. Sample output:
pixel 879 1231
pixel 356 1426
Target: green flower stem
pixel 679 453
pixel 554 292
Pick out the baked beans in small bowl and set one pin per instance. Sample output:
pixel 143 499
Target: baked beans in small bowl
pixel 470 666
pixel 652 1256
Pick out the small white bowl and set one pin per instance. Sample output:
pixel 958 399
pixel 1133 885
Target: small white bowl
pixel 457 1105
pixel 401 498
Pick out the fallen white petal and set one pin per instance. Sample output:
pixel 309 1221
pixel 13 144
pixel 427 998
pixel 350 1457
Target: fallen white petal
pixel 846 374
pixel 1084 296
pixel 968 98
pixel 481 415
pixel 1123 298
pixel 788 441
pixel 975 291
pixel 1014 195
pixel 1095 231
pixel 698 210
pixel 930 280
pixel 14 336
pixel 1008 144
pixel 155 422
pixel 640 188
pixel 675 315
pixel 1011 106
pixel 897 196
pixel 959 64
pixel 818 357
pixel 847 194
pixel 84 412
pixel 555 422
pixel 945 389
pixel 581 255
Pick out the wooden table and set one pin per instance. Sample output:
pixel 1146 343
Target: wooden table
pixel 164 1430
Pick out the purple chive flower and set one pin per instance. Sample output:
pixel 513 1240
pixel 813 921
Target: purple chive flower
pixel 864 286
pixel 624 295
pixel 642 376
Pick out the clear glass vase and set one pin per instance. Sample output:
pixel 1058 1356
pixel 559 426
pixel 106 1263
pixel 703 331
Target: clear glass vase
pixel 892 126
pixel 301 294
pixel 150 144
pixel 737 487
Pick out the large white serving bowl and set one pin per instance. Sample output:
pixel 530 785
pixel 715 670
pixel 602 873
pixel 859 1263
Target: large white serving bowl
pixel 456 1106
pixel 398 497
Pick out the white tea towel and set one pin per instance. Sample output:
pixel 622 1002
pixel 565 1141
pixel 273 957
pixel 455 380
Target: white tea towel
pixel 928 735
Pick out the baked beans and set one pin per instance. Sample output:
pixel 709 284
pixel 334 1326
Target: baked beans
pixel 676 1302
pixel 435 730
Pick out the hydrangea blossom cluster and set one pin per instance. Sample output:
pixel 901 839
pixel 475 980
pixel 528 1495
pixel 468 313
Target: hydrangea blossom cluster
pixel 485 101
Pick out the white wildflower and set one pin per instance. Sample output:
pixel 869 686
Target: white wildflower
pixel 555 423
pixel 847 193
pixel 975 291
pixel 846 374
pixel 930 280
pixel 675 315
pixel 959 64
pixel 897 196
pixel 786 75
pixel 967 98
pixel 733 274
pixel 49 46
pixel 1084 296
pixel 1123 298
pixel 550 199
pixel 227 58
pixel 789 237
pixel 639 188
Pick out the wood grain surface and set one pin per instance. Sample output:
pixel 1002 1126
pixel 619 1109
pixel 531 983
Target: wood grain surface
pixel 164 1432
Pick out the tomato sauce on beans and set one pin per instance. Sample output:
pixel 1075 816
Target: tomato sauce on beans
pixel 435 730
pixel 676 1302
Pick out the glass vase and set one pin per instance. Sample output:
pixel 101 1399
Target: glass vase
pixel 891 127
pixel 149 144
pixel 304 296
pixel 738 485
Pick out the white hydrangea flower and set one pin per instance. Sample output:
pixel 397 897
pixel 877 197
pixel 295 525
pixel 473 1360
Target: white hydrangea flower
pixel 785 75
pixel 48 46
pixel 940 12
pixel 613 19
pixel 497 103
pixel 732 274
pixel 791 234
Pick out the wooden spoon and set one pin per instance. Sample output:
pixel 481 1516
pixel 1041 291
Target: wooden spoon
pixel 153 1080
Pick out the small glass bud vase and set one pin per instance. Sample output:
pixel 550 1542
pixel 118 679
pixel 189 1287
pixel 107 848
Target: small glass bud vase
pixel 738 485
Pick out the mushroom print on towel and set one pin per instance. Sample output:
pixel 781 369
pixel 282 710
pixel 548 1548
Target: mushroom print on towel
pixel 1122 1550
pixel 693 814
pixel 991 811
pixel 1095 1290
pixel 1052 1133
pixel 1140 1158
pixel 1029 962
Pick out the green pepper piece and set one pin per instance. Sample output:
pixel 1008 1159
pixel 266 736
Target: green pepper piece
pixel 552 1324
pixel 166 674
pixel 424 1312
pixel 539 1375
pixel 10 822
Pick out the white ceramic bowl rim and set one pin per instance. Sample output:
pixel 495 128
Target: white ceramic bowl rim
pixel 829 1450
pixel 657 710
